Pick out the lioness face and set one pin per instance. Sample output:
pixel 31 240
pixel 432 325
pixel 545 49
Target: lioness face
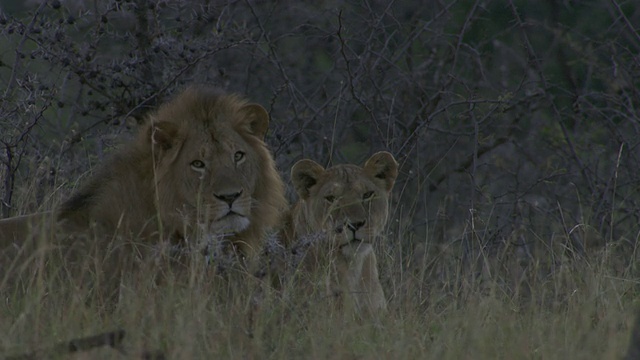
pixel 218 167
pixel 349 205
pixel 347 202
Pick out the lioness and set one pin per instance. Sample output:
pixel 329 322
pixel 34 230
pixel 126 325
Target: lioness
pixel 339 214
pixel 198 166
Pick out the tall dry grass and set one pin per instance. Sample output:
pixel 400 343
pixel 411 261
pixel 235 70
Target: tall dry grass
pixel 441 306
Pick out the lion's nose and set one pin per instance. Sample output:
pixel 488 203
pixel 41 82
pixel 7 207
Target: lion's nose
pixel 229 198
pixel 354 226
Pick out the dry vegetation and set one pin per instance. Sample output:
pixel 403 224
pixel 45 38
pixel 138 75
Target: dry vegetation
pixel 515 217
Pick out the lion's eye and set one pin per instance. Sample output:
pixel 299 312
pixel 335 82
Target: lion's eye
pixel 330 198
pixel 368 195
pixel 197 164
pixel 238 156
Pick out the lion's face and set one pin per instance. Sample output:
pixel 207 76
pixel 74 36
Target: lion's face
pixel 213 171
pixel 217 175
pixel 347 202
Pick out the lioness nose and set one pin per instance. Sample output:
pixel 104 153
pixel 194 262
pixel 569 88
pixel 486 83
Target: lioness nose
pixel 354 226
pixel 229 198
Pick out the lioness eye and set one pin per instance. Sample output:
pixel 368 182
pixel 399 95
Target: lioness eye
pixel 238 156
pixel 330 198
pixel 197 164
pixel 368 195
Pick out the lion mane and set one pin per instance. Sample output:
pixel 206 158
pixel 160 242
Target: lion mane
pixel 340 214
pixel 198 167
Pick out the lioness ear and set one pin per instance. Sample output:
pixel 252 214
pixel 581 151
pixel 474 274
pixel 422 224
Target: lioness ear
pixel 257 119
pixel 163 134
pixel 304 174
pixel 383 167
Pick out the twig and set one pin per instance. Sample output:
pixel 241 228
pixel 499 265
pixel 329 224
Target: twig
pixel 464 29
pixel 343 44
pixel 16 63
pixel 633 351
pixel 538 68
pixel 8 182
pixel 613 190
pixel 112 339
pixel 626 20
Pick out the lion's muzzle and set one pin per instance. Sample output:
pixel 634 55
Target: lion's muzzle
pixel 229 197
pixel 231 212
pixel 352 231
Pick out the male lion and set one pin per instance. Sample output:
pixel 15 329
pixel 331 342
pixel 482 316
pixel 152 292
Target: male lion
pixel 198 166
pixel 340 213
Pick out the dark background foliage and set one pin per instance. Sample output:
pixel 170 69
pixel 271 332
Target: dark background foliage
pixel 514 122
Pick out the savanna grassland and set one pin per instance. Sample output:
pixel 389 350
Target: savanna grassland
pixel 513 230
pixel 580 309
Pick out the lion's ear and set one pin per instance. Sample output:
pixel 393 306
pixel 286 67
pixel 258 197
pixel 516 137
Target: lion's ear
pixel 304 174
pixel 257 119
pixel 163 134
pixel 383 168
